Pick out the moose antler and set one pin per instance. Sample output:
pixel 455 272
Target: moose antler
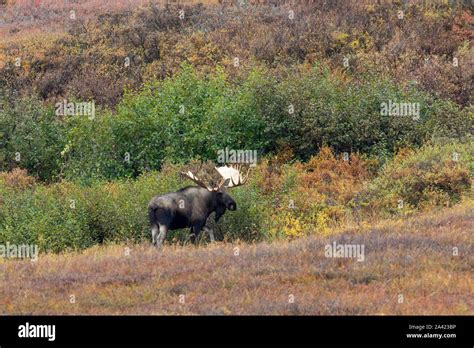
pixel 233 174
pixel 194 178
pixel 231 177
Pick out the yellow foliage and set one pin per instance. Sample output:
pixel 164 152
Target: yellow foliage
pixel 354 44
pixel 289 224
pixel 340 37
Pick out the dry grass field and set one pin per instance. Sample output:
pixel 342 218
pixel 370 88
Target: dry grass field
pixel 410 267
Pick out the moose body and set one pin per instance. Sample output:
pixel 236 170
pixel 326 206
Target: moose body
pixel 188 207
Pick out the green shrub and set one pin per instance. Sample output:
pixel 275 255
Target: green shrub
pixel 434 175
pixel 179 119
pixel 190 116
pixel 347 115
pixel 119 209
pixel 54 217
pixel 250 221
pixel 31 137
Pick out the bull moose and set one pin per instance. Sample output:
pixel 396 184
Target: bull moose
pixel 192 205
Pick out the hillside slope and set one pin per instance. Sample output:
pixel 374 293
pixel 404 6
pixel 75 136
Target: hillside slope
pixel 409 268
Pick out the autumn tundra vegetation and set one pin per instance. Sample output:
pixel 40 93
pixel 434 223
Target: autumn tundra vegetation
pixel 360 113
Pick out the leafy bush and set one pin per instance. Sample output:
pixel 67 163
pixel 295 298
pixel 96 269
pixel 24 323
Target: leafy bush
pixel 178 119
pixel 434 175
pixel 308 109
pixel 53 217
pixel 31 137
pixel 65 215
pixel 190 116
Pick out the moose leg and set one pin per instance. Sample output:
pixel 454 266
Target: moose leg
pixel 196 229
pixel 211 233
pixel 192 235
pixel 154 233
pixel 162 235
